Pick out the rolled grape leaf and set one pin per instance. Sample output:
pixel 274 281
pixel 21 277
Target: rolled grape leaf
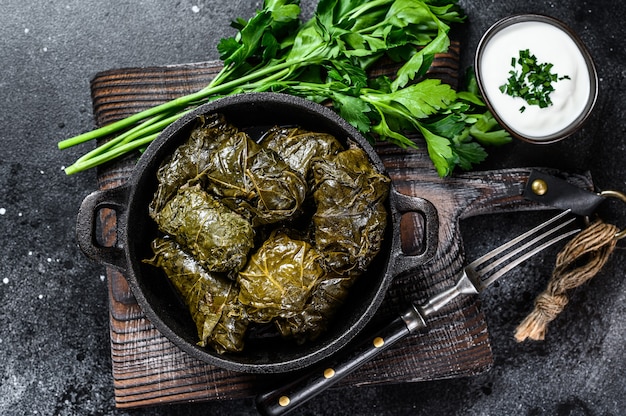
pixel 298 147
pixel 191 158
pixel 229 333
pixel 351 217
pixel 349 225
pixel 211 298
pixel 217 237
pixel 279 277
pixel 249 178
pixel 328 295
pixel 254 181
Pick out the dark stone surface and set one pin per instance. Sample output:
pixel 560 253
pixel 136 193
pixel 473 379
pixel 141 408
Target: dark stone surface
pixel 54 341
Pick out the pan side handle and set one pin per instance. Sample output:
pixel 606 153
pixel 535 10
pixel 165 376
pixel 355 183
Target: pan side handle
pixel 114 199
pixel 403 204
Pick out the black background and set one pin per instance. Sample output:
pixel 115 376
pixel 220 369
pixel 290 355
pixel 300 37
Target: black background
pixel 54 339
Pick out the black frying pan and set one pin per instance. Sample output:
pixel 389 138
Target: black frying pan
pixel 135 231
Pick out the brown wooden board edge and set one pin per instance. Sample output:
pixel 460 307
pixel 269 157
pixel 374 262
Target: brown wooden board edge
pixel 148 369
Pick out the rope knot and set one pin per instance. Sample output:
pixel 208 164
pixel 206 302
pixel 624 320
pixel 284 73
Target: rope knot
pixel 550 305
pixel 580 260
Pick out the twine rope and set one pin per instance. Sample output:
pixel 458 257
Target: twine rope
pixel 579 261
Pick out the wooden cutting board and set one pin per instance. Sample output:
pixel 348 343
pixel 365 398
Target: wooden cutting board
pixel 148 369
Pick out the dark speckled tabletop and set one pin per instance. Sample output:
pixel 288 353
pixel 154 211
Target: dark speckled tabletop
pixel 54 335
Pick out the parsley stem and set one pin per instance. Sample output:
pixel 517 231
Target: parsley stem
pixel 175 104
pixel 120 140
pixel 148 130
pixel 129 121
pixel 154 125
pixel 365 8
pixel 109 155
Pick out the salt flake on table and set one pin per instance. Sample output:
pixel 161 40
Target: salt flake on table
pixel 3 211
pixel 195 9
pixel 5 280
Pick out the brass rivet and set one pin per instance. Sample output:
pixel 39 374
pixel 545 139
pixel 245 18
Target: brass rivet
pixel 329 373
pixel 379 342
pixel 284 401
pixel 539 187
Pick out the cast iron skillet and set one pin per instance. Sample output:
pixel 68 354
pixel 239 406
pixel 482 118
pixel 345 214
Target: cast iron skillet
pixel 135 230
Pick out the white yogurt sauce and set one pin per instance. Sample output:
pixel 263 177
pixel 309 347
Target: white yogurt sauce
pixel 549 44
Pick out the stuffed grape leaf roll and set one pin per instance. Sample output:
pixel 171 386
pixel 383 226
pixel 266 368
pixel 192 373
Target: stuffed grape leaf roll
pixel 249 178
pixel 217 237
pixel 349 225
pixel 211 298
pixel 327 296
pixel 351 217
pixel 298 147
pixel 252 179
pixel 279 278
pixel 191 158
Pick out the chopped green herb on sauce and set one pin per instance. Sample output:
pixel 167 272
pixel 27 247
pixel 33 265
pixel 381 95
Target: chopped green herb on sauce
pixel 531 80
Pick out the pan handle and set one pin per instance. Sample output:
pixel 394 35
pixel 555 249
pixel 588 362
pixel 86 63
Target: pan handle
pixel 86 226
pixel 404 204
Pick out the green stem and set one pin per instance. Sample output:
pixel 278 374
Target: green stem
pixel 122 138
pixel 366 7
pixel 177 103
pixel 224 74
pixel 109 155
pixel 119 125
pixel 144 134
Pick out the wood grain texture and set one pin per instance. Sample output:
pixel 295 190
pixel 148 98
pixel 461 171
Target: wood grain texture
pixel 148 369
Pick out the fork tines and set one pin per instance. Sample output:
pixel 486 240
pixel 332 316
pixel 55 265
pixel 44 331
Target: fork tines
pixel 493 265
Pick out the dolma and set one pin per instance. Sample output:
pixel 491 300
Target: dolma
pixel 221 192
pixel 211 298
pixel 229 333
pixel 190 158
pixel 249 178
pixel 217 237
pixel 252 179
pixel 349 224
pixel 350 219
pixel 319 310
pixel 279 278
pixel 298 147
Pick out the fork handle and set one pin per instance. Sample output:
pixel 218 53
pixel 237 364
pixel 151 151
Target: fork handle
pixel 288 397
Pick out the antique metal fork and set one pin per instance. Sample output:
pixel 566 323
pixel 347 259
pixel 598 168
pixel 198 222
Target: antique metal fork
pixel 473 279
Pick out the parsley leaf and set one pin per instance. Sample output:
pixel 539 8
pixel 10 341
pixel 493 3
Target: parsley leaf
pixel 325 59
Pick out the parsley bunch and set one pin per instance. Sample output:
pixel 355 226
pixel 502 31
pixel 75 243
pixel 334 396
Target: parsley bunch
pixel 326 59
